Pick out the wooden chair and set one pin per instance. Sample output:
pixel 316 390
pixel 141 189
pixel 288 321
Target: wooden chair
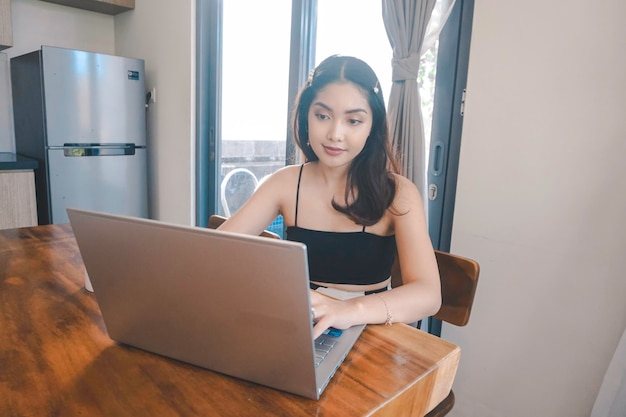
pixel 215 221
pixel 459 278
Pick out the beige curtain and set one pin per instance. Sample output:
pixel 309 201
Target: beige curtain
pixel 411 32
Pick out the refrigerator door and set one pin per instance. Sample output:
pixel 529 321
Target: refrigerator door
pixel 93 98
pixel 112 179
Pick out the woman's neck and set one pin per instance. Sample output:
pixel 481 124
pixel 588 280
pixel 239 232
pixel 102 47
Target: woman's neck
pixel 332 179
pixel 332 176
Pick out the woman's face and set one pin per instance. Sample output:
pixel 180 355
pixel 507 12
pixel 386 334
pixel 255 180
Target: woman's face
pixel 340 121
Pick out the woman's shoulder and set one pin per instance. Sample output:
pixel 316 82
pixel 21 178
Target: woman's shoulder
pixel 404 185
pixel 407 194
pixel 284 176
pixel 288 172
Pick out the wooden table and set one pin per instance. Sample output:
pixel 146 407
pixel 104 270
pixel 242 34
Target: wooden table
pixel 56 358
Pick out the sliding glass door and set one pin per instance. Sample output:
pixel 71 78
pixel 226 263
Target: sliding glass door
pixel 252 59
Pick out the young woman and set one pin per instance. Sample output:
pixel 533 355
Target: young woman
pixel 349 206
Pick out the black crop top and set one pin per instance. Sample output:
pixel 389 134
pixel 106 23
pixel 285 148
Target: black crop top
pixel 358 258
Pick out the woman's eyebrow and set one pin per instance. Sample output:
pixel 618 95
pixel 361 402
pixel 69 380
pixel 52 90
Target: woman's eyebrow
pixel 324 106
pixel 357 110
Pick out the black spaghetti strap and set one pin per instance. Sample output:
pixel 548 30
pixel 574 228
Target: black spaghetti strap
pixel 298 195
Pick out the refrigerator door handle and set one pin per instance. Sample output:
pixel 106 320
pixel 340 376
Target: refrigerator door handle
pixel 90 149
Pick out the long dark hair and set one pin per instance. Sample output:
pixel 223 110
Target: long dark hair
pixel 371 187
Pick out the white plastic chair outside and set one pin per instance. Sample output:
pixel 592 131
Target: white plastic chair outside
pixel 240 190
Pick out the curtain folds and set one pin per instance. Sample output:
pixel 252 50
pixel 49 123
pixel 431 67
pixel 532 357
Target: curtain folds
pixel 411 32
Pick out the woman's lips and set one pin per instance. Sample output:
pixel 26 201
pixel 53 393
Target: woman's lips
pixel 332 151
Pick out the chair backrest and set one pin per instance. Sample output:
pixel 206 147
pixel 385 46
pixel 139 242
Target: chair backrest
pixel 237 186
pixel 215 221
pixel 459 279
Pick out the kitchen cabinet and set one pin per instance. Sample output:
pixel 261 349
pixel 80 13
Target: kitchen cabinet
pixel 6 26
pixel 18 205
pixel 101 6
pixel 18 201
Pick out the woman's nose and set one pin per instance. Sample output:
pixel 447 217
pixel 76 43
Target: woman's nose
pixel 336 131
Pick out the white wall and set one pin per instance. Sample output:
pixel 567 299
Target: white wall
pixel 165 37
pixel 36 23
pixel 540 204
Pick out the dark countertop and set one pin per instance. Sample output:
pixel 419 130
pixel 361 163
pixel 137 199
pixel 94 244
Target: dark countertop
pixel 11 161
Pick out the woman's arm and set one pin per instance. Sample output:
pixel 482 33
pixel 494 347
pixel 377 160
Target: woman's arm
pixel 264 205
pixel 420 294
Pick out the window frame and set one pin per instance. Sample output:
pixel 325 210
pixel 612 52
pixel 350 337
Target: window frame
pixel 451 80
pixel 450 90
pixel 208 113
pixel 209 90
pixel 447 125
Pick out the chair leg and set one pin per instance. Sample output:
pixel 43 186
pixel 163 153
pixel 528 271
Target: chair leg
pixel 443 407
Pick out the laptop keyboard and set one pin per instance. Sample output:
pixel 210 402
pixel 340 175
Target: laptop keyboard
pixel 323 345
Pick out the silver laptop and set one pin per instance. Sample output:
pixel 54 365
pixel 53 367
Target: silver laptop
pixel 232 303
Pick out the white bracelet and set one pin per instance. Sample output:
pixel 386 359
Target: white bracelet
pixel 389 320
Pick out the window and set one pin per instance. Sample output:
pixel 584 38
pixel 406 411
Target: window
pixel 247 74
pixel 252 59
pixel 254 103
pixel 367 39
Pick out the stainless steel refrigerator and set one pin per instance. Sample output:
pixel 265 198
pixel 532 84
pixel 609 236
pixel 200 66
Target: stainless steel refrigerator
pixel 82 116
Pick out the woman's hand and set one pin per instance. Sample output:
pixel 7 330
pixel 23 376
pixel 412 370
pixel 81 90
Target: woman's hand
pixel 330 312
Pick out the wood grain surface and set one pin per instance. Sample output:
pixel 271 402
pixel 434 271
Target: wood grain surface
pixel 56 358
pixel 18 205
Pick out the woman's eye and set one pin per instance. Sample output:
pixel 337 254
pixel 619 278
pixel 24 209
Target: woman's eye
pixel 321 116
pixel 355 121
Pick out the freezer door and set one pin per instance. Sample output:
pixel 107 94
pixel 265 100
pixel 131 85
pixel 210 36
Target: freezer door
pixel 93 98
pixel 109 179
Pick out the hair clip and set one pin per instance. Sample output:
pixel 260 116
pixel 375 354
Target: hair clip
pixel 309 80
pixel 376 88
